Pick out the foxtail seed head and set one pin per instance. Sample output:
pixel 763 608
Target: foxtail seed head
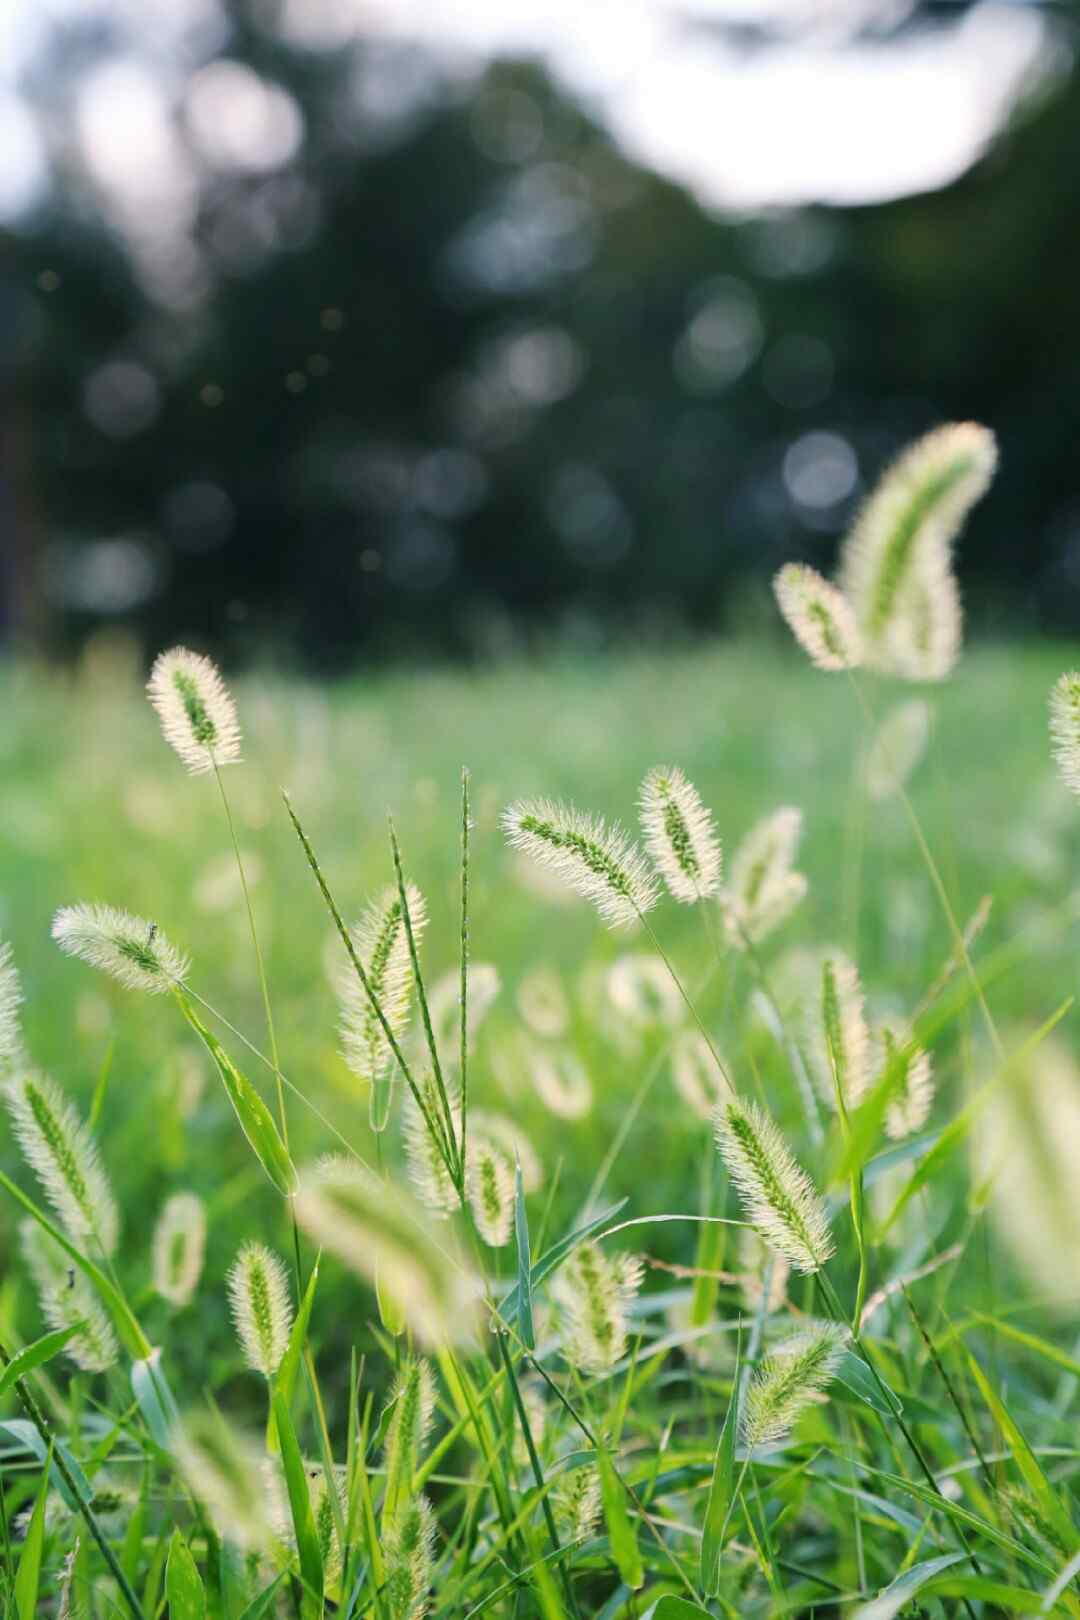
pixel 788 1379
pixel 595 1293
pixel 839 1038
pixel 913 1084
pixel 778 1196
pixel 489 1185
pixel 413 1406
pixel 11 1047
pixel 427 1167
pixel 576 1500
pixel 408 1552
pixel 763 889
pixel 222 1467
pixel 178 1248
pixel 197 714
pixel 598 861
pixel 381 943
pixel 819 617
pixel 62 1153
pixel 896 564
pixel 129 948
pixel 679 834
pixel 66 1297
pixel 262 1311
pixel 896 748
pixel 1065 728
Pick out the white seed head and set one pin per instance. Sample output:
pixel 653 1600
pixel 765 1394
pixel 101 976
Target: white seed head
pixel 600 862
pixel 763 889
pixel 1065 728
pixel 129 948
pixel 541 1001
pixel 576 1500
pixel 382 945
pixel 679 834
pixel 322 1509
pixel 444 1008
pixel 792 1375
pixel 223 1468
pixel 258 1288
pixel 427 1167
pixel 758 1264
pixel 507 1137
pixel 642 990
pixel 559 1078
pixel 697 1078
pixel 490 1189
pixel 66 1297
pixel 178 1248
pixel 60 1149
pixel 913 1076
pixel 378 1230
pixel 594 1293
pixel 896 564
pixel 197 714
pixel 408 1553
pixel 412 1405
pixel 777 1195
pixel 11 1046
pixel 838 1040
pixel 819 616
pixel 896 748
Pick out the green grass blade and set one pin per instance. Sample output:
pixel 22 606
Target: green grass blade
pixel 285 1377
pixel 721 1489
pixel 622 1535
pixel 1025 1459
pixel 36 1355
pixel 902 1590
pixel 307 1540
pixel 28 1574
pixel 524 1264
pixel 183 1584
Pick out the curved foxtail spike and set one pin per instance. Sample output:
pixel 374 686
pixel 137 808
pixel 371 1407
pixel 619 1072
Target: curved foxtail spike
pixel 130 949
pixel 780 1199
pixel 11 1046
pixel 600 862
pixel 819 617
pixel 60 1149
pixel 197 714
pixel 262 1310
pixel 178 1248
pixel 1065 728
pixel 787 1380
pixel 679 834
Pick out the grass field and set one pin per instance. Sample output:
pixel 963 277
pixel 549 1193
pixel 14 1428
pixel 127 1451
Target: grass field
pixel 96 808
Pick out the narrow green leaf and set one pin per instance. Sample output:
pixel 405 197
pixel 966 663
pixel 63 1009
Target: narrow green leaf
pixel 35 1355
pixel 622 1535
pixel 183 1583
pixel 255 1119
pixel 285 1377
pixel 675 1608
pixel 307 1540
pixel 1025 1459
pixel 130 1332
pixel 856 1375
pixel 26 1435
pixel 260 1604
pixel 28 1574
pixel 156 1401
pixel 554 1257
pixel 524 1263
pixel 893 1598
pixel 721 1490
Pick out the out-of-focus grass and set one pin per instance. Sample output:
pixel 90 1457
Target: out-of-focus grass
pixel 96 807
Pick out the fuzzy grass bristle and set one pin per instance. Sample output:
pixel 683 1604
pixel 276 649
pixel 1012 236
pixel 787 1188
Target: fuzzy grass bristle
pixel 178 1248
pixel 788 1379
pixel 1065 728
pixel 839 1039
pixel 130 949
pixel 780 1200
pixel 258 1288
pixel 11 1046
pixel 679 834
pixel 223 1469
pixel 408 1552
pixel 489 1186
pixel 66 1297
pixel 198 716
pixel 599 862
pixel 382 945
pixel 912 1095
pixel 819 617
pixel 594 1294
pixel 60 1149
pixel 763 889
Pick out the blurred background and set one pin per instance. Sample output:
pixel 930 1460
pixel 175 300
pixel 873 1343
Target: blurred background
pixel 344 331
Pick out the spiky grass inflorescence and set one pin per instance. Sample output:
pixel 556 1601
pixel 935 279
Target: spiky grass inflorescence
pixel 679 834
pixel 66 1297
pixel 61 1151
pixel 777 1194
pixel 838 1038
pixel 559 1078
pixel 382 945
pixel 223 1469
pixel 600 862
pixel 178 1248
pixel 258 1288
pixel 1065 727
pixel 129 948
pixel 542 1003
pixel 11 1046
pixel 408 1552
pixel 321 1499
pixel 697 1078
pixel 197 714
pixel 758 1265
pixel 763 889
pixel 576 1499
pixel 412 1407
pixel 896 748
pixel 427 1167
pixel 819 616
pixel 788 1379
pixel 382 1233
pixel 913 1083
pixel 642 990
pixel 507 1137
pixel 896 564
pixel 489 1186
pixel 444 1008
pixel 594 1294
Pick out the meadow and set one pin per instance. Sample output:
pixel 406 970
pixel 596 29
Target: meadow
pixel 940 1466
